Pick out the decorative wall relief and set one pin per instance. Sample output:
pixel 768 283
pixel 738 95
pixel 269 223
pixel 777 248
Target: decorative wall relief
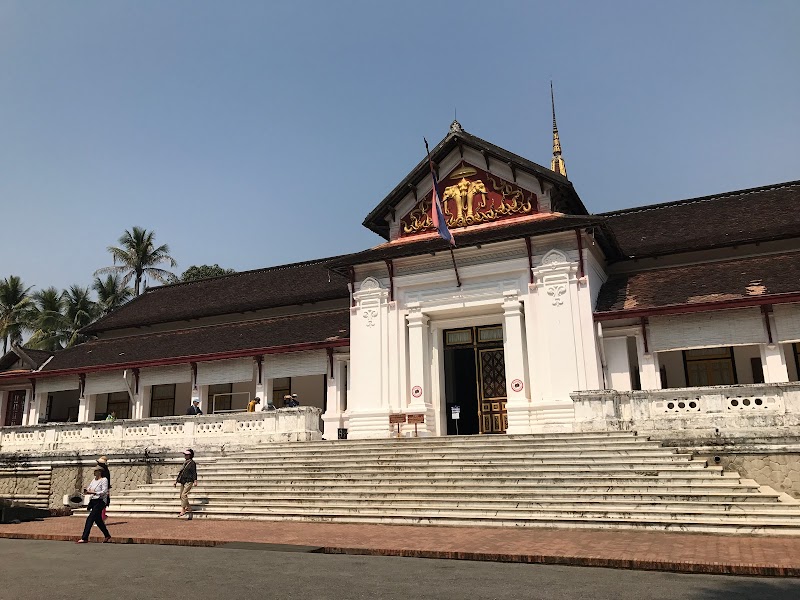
pixel 476 197
pixel 370 314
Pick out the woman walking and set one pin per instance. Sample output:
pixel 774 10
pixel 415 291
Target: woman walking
pixel 102 462
pixel 98 489
pixel 187 478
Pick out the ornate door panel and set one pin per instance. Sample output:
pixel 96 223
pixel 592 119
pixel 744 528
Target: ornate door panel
pixel 492 366
pixel 15 408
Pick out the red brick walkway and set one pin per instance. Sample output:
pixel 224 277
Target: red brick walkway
pixel 679 552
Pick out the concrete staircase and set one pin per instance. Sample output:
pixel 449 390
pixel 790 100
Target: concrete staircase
pixel 613 480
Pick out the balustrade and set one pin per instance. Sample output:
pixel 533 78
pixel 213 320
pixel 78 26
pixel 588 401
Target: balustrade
pixel 166 433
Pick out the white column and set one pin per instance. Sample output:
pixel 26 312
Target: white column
pixel 26 417
pixel 200 392
pixel 773 362
pixel 649 375
pixel 86 408
pixel 38 408
pixel 555 342
pixel 618 364
pixel 337 384
pixel 143 399
pixel 419 360
pixel 518 403
pixel 368 402
pixel 3 407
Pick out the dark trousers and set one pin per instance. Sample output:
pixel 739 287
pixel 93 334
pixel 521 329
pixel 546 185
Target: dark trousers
pixel 95 516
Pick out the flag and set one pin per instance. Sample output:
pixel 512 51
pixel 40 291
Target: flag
pixel 437 214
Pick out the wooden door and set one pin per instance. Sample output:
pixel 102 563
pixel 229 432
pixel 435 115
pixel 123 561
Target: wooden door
pixel 16 408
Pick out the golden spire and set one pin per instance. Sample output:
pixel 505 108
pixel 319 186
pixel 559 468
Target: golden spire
pixel 557 164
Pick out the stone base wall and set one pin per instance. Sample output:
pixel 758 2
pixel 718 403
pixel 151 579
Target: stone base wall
pixel 779 471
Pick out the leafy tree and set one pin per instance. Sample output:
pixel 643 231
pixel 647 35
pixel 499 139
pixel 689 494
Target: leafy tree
pixel 46 320
pixel 111 292
pixel 14 300
pixel 196 272
pixel 137 256
pixel 79 311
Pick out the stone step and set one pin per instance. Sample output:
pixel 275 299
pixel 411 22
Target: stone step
pixel 575 455
pixel 308 448
pixel 601 513
pixel 401 470
pixel 743 526
pixel 244 495
pixel 694 477
pixel 677 507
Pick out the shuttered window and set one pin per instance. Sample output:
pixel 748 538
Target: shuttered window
pixel 296 364
pixel 225 371
pixel 739 327
pixel 57 384
pixel 104 383
pixel 787 322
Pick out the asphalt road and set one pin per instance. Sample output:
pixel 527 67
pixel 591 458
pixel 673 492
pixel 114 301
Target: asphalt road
pixel 60 570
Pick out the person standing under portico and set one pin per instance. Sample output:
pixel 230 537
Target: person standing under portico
pixel 187 478
pixel 194 408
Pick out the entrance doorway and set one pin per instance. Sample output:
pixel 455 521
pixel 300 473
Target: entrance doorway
pixel 16 408
pixel 475 380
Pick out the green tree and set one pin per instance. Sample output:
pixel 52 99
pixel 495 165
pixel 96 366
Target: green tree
pixel 46 320
pixel 111 292
pixel 137 256
pixel 14 301
pixel 196 272
pixel 79 311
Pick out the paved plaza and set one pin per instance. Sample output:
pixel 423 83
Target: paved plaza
pixel 59 570
pixel 644 550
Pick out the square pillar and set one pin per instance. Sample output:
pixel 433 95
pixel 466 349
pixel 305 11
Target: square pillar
pixel 618 366
pixel 773 362
pixel 333 419
pixel 518 402
pixel 649 374
pixel 141 408
pixel 26 410
pixel 419 370
pixel 38 408
pixel 86 408
pixel 3 407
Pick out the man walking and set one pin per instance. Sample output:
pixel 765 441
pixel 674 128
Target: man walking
pixel 194 408
pixel 187 478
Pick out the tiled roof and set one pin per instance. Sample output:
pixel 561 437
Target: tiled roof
pixel 468 237
pixel 273 287
pixel 313 328
pixel 33 359
pixel 721 281
pixel 733 218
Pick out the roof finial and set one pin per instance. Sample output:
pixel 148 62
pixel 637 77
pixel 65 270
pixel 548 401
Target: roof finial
pixel 455 126
pixel 557 164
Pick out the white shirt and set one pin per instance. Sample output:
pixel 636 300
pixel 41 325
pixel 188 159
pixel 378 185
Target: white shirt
pixel 98 488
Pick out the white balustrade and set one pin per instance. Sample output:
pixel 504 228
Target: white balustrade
pixel 166 433
pixel 731 410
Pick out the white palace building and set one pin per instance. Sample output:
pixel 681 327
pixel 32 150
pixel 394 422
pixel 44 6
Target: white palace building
pixel 681 317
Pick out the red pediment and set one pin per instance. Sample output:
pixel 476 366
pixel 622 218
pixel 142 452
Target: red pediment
pixel 471 196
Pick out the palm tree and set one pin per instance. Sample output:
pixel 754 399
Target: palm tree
pixel 79 311
pixel 137 256
pixel 111 292
pixel 46 320
pixel 14 300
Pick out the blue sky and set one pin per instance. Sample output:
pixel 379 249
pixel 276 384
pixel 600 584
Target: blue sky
pixel 252 134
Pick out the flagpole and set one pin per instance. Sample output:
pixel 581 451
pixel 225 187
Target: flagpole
pixel 452 254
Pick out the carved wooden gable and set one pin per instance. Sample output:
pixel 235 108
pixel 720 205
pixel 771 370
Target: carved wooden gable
pixel 471 196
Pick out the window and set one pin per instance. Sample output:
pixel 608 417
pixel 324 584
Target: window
pixel 280 387
pixel 758 369
pixel 162 402
pixel 219 396
pixel 709 366
pixel 119 405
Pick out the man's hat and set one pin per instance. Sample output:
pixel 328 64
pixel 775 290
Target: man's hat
pixel 189 451
pixel 196 400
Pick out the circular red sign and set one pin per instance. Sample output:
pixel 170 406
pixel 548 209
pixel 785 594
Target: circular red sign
pixel 416 391
pixel 516 385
